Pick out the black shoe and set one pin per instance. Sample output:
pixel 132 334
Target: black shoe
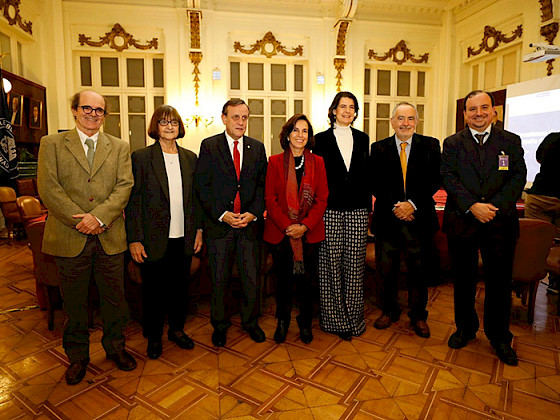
pixel 506 354
pixel 305 334
pixel 256 333
pixel 460 339
pixel 421 328
pixel 219 338
pixel 154 349
pixel 181 339
pixel 76 372
pixel 281 331
pixel 346 336
pixel 123 360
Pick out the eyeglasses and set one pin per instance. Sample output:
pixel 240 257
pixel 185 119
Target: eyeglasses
pixel 164 122
pixel 88 110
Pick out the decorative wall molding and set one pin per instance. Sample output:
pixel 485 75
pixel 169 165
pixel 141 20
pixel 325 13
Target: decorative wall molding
pixel 195 54
pixel 341 37
pixel 549 32
pixel 339 64
pixel 399 54
pixel 340 60
pixel 10 10
pixel 546 10
pixel 268 46
pixel 492 39
pixel 118 39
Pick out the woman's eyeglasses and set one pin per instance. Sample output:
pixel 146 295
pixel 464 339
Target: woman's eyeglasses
pixel 164 122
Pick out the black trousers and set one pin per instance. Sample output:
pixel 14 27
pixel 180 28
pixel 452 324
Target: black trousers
pixel 75 274
pixel 221 254
pixel 497 246
pixel 165 285
pixel 283 257
pixel 416 249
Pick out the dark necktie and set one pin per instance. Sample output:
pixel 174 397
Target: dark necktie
pixel 237 164
pixel 480 139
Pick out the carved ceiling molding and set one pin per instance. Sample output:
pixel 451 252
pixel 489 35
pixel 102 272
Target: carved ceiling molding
pixel 339 64
pixel 549 32
pixel 118 39
pixel 195 54
pixel 268 46
pixel 399 54
pixel 546 10
pixel 10 10
pixel 493 38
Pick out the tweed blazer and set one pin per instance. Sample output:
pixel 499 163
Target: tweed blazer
pixel 67 186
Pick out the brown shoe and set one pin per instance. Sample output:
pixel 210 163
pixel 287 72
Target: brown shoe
pixel 420 328
pixel 76 372
pixel 384 321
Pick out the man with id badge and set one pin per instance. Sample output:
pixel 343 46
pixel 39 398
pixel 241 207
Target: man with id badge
pixel 484 174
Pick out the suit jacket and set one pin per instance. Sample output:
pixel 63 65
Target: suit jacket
pixel 346 187
pixel 548 155
pixel 148 212
pixel 277 219
pixel 216 183
pixel 67 186
pixel 422 182
pixel 468 181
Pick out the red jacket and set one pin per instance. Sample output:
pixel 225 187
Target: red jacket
pixel 277 219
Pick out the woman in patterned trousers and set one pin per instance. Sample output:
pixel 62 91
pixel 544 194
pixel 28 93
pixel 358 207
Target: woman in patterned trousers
pixel 345 151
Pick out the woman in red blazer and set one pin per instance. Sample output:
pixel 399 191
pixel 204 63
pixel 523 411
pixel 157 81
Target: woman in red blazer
pixel 296 197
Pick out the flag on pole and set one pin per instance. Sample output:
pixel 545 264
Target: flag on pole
pixel 8 154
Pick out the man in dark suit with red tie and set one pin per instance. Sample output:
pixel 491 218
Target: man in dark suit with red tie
pixel 484 174
pixel 405 176
pixel 230 180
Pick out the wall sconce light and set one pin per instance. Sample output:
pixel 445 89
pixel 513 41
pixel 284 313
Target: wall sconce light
pixel 216 74
pixel 197 120
pixel 7 85
pixel 320 78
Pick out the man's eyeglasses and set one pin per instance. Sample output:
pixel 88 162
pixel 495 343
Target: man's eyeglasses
pixel 164 122
pixel 88 110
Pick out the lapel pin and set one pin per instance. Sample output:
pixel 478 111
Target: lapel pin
pixel 248 146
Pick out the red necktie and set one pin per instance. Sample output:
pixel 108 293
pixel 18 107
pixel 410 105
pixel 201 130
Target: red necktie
pixel 237 164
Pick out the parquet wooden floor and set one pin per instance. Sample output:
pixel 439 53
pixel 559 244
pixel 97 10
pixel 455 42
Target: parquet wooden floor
pixel 390 374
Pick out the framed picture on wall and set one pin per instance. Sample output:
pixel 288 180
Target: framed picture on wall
pixel 35 114
pixel 16 108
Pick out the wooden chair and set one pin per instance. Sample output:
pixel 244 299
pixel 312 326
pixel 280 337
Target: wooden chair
pixel 44 268
pixel 531 251
pixel 29 208
pixel 553 265
pixel 10 210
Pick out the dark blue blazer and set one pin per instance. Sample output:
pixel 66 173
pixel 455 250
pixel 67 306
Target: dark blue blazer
pixel 468 181
pixel 216 184
pixel 422 182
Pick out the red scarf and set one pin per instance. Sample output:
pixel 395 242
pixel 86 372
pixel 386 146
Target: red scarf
pixel 299 202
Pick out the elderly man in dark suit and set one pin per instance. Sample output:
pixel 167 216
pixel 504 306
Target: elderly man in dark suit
pixel 405 176
pixel 230 180
pixel 85 178
pixel 484 174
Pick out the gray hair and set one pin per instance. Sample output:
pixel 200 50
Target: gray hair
pixel 407 104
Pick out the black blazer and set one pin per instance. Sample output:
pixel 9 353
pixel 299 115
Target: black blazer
pixel 548 155
pixel 216 183
pixel 347 189
pixel 422 182
pixel 148 214
pixel 467 181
